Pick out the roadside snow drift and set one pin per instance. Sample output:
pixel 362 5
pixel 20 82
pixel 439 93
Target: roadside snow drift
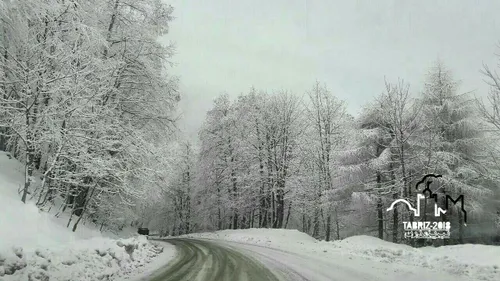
pixel 478 262
pixel 35 245
pixel 94 259
pixel 475 262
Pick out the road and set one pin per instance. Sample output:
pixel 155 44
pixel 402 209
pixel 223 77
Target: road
pixel 207 261
pixel 212 260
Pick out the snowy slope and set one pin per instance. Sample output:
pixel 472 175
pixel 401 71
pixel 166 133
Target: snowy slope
pixel 470 262
pixel 35 244
pixel 23 224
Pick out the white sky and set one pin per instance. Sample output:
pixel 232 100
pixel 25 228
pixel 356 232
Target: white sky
pixel 230 45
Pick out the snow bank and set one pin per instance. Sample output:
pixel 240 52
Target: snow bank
pixel 258 236
pixel 34 245
pixel 289 240
pixel 476 262
pixel 94 259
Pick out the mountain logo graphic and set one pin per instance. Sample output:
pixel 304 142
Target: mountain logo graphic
pixel 437 210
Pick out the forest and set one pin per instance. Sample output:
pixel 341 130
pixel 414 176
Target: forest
pixel 89 106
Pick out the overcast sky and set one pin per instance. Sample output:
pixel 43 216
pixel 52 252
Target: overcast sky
pixel 350 45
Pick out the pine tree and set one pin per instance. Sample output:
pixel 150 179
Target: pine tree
pixel 452 123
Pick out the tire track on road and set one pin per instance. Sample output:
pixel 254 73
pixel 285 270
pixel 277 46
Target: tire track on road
pixel 199 260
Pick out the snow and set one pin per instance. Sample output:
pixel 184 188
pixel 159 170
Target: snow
pixel 370 255
pixel 169 253
pixel 259 236
pixel 475 261
pixel 34 245
pixel 94 259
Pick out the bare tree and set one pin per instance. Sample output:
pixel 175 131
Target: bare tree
pixel 326 116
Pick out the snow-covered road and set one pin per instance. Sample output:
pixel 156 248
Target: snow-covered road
pixel 215 260
pixel 295 266
pixel 203 260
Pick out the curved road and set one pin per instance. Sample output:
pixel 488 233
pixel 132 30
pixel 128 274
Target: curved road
pixel 208 261
pixel 213 260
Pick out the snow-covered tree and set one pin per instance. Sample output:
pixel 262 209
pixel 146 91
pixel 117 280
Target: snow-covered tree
pixel 452 144
pixel 400 121
pixel 326 136
pixel 85 98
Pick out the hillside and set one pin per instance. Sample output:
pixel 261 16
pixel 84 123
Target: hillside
pixel 35 244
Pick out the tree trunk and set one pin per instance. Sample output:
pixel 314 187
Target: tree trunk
pixel 14 149
pixel 395 195
pixel 309 225
pixel 30 150
pixel 328 226
pixel 111 25
pixel 234 184
pixel 188 214
pixel 280 208
pixel 219 203
pixel 316 223
pixel 269 218
pixel 337 226
pixel 28 172
pixel 460 226
pixel 288 214
pixel 395 220
pixel 262 195
pixel 409 196
pixel 304 223
pixel 5 57
pixel 252 219
pixel 71 214
pixel 380 210
pixel 273 204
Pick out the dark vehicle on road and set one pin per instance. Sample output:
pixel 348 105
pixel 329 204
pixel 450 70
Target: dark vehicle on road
pixel 143 231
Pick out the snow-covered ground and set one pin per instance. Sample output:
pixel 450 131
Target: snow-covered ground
pixel 363 253
pixel 35 244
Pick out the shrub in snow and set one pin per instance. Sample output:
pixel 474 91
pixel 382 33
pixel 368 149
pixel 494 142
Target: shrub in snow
pixel 129 246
